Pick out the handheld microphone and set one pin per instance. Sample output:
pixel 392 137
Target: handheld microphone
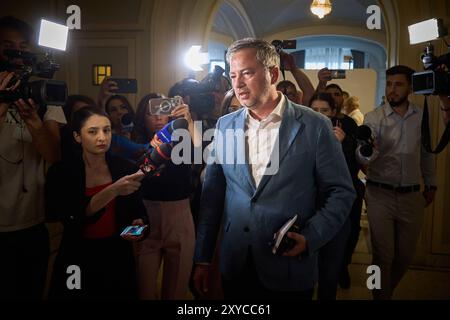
pixel 165 134
pixel 154 160
pixel 127 122
pixel 364 137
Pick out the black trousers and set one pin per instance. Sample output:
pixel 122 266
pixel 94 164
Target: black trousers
pixel 355 226
pixel 331 257
pixel 107 266
pixel 247 286
pixel 24 261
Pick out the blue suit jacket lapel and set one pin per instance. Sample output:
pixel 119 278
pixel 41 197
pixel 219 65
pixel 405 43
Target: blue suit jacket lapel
pixel 240 151
pixel 291 126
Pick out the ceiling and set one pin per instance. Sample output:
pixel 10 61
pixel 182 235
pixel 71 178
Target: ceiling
pixel 272 16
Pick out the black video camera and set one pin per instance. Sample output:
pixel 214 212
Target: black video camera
pixel 45 91
pixel 201 94
pixel 435 80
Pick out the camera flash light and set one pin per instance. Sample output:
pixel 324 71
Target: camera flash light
pixel 425 31
pixel 53 35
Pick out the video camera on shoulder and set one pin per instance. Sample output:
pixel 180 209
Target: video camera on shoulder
pixel 45 91
pixel 435 80
pixel 201 94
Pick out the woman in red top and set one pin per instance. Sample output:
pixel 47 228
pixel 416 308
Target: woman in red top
pixel 95 198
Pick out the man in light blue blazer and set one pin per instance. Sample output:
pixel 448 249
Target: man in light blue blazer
pixel 258 181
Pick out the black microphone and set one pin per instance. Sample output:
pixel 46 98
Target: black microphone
pixel 127 122
pixel 154 160
pixel 364 137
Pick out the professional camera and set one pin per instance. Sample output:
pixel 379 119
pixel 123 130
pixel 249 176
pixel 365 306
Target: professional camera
pixel 435 80
pixel 26 65
pixel 281 45
pixel 43 92
pixel 201 97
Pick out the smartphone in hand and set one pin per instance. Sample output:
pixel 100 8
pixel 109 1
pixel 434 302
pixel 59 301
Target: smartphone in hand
pixel 135 231
pixel 125 85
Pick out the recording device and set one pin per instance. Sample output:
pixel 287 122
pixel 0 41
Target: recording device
pixel 164 106
pixel 365 140
pixel 154 160
pixel 43 92
pixel 133 231
pixel 201 94
pixel 125 85
pixel 434 80
pixel 26 64
pixel 281 243
pixel 281 45
pixel 127 122
pixel 338 74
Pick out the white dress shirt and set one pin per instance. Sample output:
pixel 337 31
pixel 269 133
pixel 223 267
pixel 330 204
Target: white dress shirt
pixel 261 138
pixel 400 160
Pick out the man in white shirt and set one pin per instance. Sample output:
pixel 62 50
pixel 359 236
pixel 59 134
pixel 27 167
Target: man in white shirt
pixel 27 143
pixel 395 170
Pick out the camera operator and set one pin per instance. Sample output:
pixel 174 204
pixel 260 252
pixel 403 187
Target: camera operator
pixel 394 203
pixel 27 142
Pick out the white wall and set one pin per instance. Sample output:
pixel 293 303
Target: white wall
pixel 359 82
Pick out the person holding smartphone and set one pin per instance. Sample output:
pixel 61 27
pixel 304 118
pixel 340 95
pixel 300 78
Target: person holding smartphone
pixel 95 198
pixel 336 254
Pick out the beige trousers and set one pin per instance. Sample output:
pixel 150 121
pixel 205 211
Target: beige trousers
pixel 395 222
pixel 172 240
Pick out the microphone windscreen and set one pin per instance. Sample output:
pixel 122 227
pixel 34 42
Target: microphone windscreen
pixel 126 119
pixel 363 132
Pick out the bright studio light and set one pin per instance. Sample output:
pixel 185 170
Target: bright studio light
pixel 426 31
pixel 53 35
pixel 194 59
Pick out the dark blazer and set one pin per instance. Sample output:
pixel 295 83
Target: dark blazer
pixel 66 202
pixel 310 162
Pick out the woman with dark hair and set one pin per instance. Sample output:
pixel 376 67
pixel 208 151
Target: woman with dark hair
pixel 116 107
pixel 69 148
pixel 167 200
pixel 336 254
pixel 140 132
pixel 95 198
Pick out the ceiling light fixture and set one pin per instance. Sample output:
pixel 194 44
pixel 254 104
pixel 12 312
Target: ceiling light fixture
pixel 321 8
